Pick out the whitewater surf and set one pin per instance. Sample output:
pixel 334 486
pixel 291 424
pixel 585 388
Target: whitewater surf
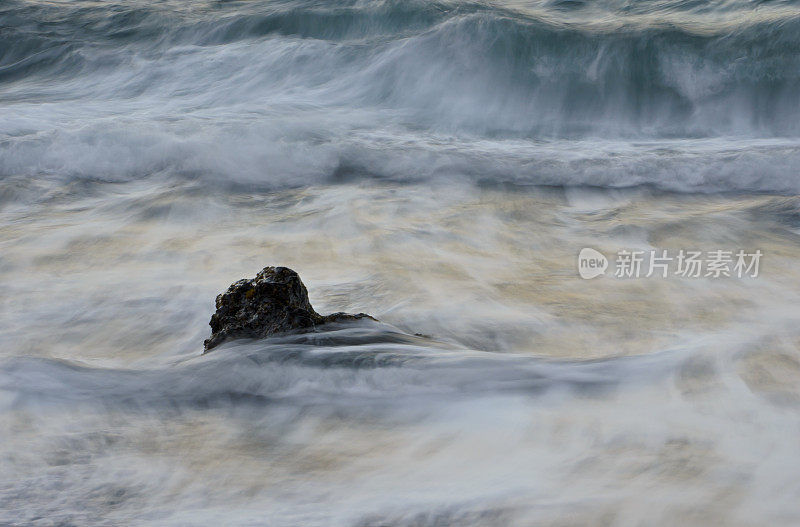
pixel 440 166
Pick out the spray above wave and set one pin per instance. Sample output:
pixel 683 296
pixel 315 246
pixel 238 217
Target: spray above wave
pixel 292 93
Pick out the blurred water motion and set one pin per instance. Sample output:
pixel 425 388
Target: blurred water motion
pixel 438 165
pixel 533 396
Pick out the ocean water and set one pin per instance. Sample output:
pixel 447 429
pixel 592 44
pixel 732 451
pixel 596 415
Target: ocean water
pixel 438 165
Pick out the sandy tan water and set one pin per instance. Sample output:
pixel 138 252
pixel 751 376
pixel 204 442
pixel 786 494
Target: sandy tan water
pixel 659 401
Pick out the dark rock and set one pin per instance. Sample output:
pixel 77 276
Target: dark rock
pixel 275 301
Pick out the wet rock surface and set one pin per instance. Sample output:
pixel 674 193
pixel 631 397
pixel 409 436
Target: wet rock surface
pixel 275 301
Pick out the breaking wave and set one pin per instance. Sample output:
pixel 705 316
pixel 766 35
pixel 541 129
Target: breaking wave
pixel 671 94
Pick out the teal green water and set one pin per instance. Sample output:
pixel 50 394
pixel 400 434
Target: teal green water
pixel 436 164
